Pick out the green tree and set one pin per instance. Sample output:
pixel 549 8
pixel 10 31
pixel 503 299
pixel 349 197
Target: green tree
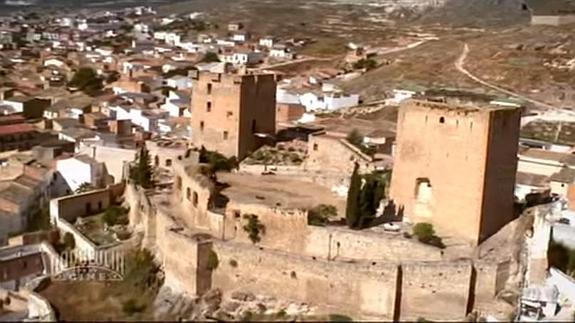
pixel 254 228
pixel 353 211
pixel 141 172
pixel 87 81
pixel 210 57
pixel 372 192
pixel 84 187
pixel 355 138
pixel 368 64
pixel 217 161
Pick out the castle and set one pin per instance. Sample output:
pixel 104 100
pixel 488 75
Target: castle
pixel 454 167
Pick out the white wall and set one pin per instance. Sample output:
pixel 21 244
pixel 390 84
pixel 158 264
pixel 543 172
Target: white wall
pixel 75 172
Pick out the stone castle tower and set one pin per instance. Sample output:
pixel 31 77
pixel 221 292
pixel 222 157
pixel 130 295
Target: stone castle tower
pixel 455 167
pixel 232 114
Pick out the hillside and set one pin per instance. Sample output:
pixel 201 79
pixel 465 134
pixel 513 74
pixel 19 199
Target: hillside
pixel 477 13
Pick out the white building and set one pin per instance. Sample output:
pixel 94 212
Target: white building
pixel 177 104
pixel 240 37
pixel 281 52
pixel 242 57
pixel 179 82
pixel 54 62
pixel 83 169
pixel 329 101
pixel 266 42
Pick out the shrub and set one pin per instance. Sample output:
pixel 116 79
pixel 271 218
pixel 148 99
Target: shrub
pixel 426 234
pixel 339 318
pixel 210 58
pixel 69 241
pixel 213 260
pixel 131 306
pixel 254 228
pixel 368 64
pixel 217 161
pixel 321 214
pixel 115 215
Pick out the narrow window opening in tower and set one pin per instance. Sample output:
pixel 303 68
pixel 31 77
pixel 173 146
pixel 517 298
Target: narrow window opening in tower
pixel 442 120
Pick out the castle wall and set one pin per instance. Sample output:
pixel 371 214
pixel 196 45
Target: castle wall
pixel 343 243
pixel 435 290
pixel 360 290
pixel 491 278
pixel 284 229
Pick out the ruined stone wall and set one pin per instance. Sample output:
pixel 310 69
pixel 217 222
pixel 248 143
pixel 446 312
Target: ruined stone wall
pixel 335 155
pixel 360 290
pixel 435 290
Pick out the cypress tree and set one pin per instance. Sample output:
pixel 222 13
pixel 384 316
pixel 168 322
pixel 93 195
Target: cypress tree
pixel 141 173
pixel 353 212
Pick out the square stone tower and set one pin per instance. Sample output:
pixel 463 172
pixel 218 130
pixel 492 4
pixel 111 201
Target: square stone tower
pixel 232 114
pixel 455 167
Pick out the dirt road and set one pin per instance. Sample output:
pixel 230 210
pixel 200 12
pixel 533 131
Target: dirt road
pixel 460 65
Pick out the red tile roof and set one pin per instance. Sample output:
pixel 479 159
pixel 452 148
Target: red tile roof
pixel 15 128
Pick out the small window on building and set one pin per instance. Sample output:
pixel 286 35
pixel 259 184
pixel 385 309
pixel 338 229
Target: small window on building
pixel 209 88
pixel 195 201
pixel 209 106
pixel 442 120
pixel 168 162
pixel 225 135
pixel 201 126
pixel 188 194
pixel 315 147
pixel 229 114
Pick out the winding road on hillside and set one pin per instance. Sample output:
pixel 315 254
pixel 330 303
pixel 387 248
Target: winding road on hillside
pixel 460 66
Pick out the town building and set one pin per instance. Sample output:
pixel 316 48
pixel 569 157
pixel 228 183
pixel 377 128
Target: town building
pixel 551 12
